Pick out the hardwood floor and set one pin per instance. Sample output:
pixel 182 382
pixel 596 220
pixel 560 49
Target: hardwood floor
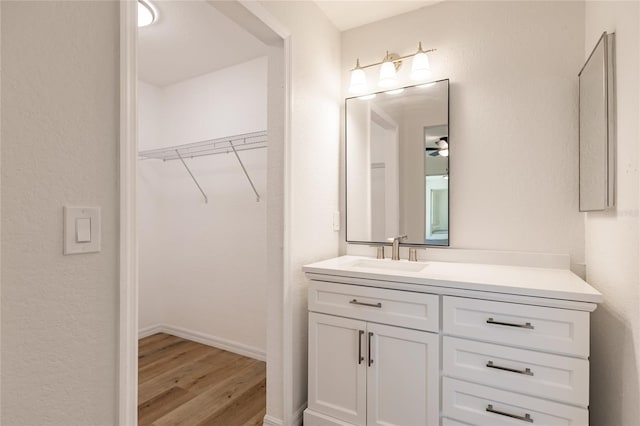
pixel 181 382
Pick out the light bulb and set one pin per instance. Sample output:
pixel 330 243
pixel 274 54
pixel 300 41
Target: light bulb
pixel 420 68
pixel 358 80
pixel 146 14
pixel 388 77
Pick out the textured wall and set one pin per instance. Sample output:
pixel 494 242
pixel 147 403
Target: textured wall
pixel 59 146
pixel 313 170
pixel 513 68
pixel 612 238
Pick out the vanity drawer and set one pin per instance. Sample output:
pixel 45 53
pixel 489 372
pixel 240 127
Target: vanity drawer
pixel 546 329
pixel 549 376
pixel 395 307
pixel 484 406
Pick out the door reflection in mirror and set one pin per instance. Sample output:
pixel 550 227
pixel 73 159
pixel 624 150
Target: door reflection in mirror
pixel 397 166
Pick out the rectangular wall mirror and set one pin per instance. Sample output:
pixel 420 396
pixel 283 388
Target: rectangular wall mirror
pixel 597 127
pixel 397 165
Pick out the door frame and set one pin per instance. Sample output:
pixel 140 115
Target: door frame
pixel 128 242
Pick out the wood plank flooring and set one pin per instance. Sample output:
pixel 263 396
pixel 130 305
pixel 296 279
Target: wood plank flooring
pixel 185 383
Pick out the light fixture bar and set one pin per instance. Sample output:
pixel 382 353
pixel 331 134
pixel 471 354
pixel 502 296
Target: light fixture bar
pixel 394 60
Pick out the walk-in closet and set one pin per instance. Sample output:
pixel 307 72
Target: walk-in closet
pixel 201 213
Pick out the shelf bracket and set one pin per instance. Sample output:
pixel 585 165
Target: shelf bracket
pixel 245 171
pixel 206 200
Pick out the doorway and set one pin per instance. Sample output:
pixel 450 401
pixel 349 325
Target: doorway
pixel 181 185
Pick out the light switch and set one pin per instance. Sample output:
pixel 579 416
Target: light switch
pixel 81 230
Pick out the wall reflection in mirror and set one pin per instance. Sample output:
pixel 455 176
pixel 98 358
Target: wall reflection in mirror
pixel 397 165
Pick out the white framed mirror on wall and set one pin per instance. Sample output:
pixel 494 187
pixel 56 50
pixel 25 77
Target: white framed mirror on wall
pixel 397 165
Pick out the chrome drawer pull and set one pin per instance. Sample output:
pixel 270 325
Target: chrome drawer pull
pixel 526 371
pixel 509 324
pixel 360 357
pixel 525 418
pixel 373 305
pixel 369 355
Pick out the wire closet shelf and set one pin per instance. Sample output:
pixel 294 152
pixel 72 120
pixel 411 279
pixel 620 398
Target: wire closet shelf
pixel 230 144
pixel 226 145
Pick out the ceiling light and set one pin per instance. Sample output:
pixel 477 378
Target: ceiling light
pixel 444 152
pixel 420 68
pixel 146 13
pixel 358 80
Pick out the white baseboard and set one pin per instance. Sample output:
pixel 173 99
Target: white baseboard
pixel 149 331
pixel 205 339
pixel 271 421
pixel 296 418
pixel 298 415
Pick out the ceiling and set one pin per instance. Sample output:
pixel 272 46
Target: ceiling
pixel 354 13
pixel 191 38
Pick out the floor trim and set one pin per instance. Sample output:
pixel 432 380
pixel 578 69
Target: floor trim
pixel 271 421
pixel 205 339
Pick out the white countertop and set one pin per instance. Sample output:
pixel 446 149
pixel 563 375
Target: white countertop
pixel 517 280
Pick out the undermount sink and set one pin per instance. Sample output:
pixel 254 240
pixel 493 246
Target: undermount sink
pixel 389 265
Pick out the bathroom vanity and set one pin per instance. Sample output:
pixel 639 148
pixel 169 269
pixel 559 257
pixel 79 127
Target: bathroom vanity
pixel 436 343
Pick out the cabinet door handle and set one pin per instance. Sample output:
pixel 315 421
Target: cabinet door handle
pixel 525 418
pixel 360 357
pixel 526 371
pixel 509 324
pixel 373 305
pixel 369 350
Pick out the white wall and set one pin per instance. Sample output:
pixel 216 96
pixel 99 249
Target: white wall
pixel 312 177
pixel 513 133
pixel 59 146
pixel 612 239
pixel 194 257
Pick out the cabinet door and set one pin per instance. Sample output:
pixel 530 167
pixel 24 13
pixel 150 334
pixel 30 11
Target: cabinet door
pixel 403 378
pixel 337 367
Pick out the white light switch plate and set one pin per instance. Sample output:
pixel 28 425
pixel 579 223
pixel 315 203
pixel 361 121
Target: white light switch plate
pixel 76 232
pixel 336 221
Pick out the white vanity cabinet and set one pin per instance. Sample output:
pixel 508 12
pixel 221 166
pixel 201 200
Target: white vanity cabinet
pixel 363 372
pixel 413 349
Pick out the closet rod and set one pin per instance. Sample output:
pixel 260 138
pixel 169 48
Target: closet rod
pixel 206 200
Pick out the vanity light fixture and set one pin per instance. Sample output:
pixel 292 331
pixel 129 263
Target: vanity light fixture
pixel 420 70
pixel 146 13
pixel 388 76
pixel 358 80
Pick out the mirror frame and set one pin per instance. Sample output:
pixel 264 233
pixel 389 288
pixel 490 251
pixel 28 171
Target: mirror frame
pixel 346 214
pixel 607 62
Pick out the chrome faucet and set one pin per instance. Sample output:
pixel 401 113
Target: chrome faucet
pixel 395 247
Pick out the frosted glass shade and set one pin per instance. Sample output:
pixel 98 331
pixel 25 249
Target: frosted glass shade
pixel 420 68
pixel 388 77
pixel 146 15
pixel 358 82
